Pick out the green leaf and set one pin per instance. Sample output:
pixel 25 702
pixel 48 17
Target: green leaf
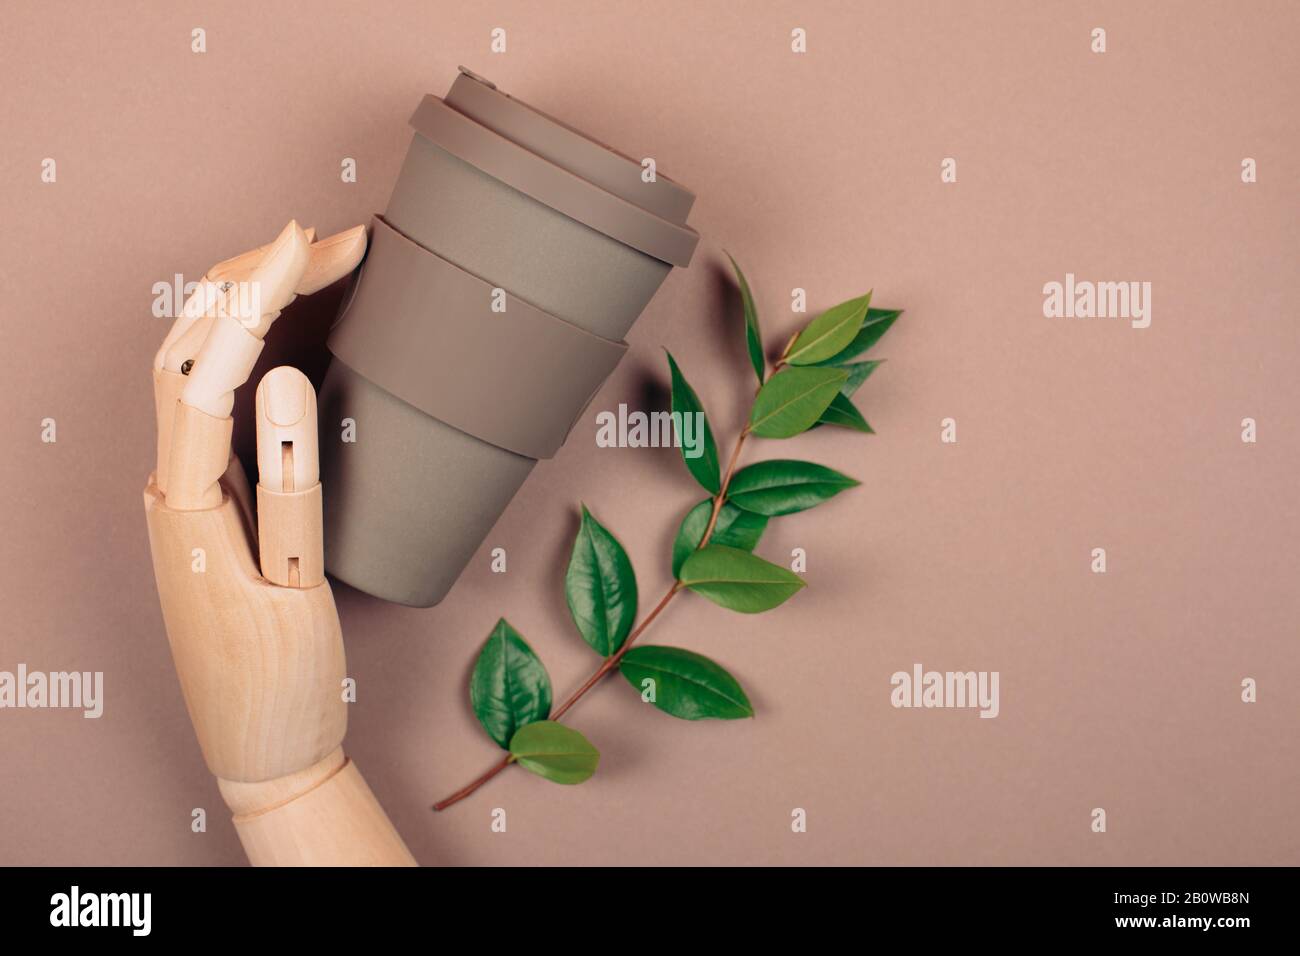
pixel 735 528
pixel 685 402
pixel 829 333
pixel 793 399
pixel 686 684
pixel 737 579
pixel 554 751
pixel 600 587
pixel 782 486
pixel 509 686
pixel 859 372
pixel 875 325
pixel 842 412
pixel 753 337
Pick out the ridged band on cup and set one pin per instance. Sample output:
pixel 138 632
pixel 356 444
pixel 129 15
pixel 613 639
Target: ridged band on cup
pixel 426 331
pixel 553 185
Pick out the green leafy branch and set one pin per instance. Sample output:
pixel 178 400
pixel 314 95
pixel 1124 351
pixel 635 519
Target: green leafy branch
pixel 811 384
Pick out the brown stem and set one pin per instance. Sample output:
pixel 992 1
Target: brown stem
pixel 721 497
pixel 785 352
pixel 466 790
pixel 610 663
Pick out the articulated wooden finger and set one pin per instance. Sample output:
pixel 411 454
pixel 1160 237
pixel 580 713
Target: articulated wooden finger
pixel 224 363
pixel 234 337
pixel 290 545
pixel 288 487
pixel 166 393
pixel 202 302
pixel 294 264
pixel 199 456
pixel 274 283
pixel 331 259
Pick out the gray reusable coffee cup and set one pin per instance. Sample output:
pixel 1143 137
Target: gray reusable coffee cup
pixel 514 255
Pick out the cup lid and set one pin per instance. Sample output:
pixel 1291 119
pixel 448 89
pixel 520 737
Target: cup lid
pixel 565 146
pixel 604 206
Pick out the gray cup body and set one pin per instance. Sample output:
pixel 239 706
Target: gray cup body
pixel 410 500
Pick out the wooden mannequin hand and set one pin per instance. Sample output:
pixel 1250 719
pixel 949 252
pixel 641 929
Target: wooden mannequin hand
pixel 259 652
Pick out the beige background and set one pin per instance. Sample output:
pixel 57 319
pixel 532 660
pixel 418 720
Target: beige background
pixel 819 171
